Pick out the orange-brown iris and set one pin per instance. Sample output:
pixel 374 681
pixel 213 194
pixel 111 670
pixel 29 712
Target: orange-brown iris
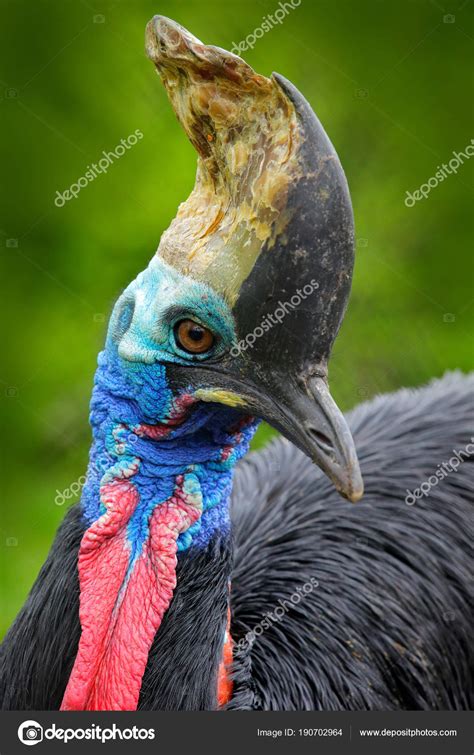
pixel 193 337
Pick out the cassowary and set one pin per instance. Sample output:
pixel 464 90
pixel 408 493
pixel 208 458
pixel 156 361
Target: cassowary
pixel 185 580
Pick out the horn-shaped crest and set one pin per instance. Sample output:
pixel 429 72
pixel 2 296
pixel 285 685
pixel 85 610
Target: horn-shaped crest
pixel 270 197
pixel 244 129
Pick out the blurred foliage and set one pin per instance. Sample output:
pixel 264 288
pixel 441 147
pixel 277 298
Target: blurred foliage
pixel 390 82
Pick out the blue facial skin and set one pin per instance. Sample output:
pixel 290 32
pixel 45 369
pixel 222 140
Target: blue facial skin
pixel 131 389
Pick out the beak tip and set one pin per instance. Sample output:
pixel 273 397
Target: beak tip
pixel 347 480
pixel 356 495
pixel 353 489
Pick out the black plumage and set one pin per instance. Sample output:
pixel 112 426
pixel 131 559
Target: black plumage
pixel 389 625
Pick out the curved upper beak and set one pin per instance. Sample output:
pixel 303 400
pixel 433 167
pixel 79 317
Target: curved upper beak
pixel 312 420
pixel 301 408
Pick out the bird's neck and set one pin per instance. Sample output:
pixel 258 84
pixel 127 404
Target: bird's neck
pixel 158 486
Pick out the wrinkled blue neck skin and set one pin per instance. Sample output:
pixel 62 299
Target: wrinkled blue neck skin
pixel 131 389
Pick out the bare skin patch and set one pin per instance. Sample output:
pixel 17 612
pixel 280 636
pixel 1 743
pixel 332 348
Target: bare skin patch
pixel 229 398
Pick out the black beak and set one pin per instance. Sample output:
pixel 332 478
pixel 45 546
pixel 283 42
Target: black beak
pixel 303 411
pixel 312 420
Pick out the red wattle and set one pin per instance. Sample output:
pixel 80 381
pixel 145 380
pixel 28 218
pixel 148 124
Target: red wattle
pixel 120 612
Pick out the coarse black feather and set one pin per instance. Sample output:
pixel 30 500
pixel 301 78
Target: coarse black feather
pixel 389 624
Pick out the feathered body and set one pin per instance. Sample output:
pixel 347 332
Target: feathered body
pixel 386 623
pixel 389 624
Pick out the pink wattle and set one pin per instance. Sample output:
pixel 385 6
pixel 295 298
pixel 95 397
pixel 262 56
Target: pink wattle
pixel 119 619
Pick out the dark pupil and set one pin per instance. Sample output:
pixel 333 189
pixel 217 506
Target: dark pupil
pixel 196 333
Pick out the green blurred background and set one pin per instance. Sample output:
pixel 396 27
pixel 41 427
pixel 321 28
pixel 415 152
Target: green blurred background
pixel 391 82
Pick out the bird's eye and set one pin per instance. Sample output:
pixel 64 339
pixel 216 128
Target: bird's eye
pixel 193 337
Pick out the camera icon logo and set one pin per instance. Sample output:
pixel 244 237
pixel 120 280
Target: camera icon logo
pixel 30 733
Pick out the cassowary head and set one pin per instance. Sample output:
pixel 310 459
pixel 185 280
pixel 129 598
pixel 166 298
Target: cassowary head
pixel 249 285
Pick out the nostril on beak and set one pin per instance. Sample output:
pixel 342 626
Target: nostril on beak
pixel 323 441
